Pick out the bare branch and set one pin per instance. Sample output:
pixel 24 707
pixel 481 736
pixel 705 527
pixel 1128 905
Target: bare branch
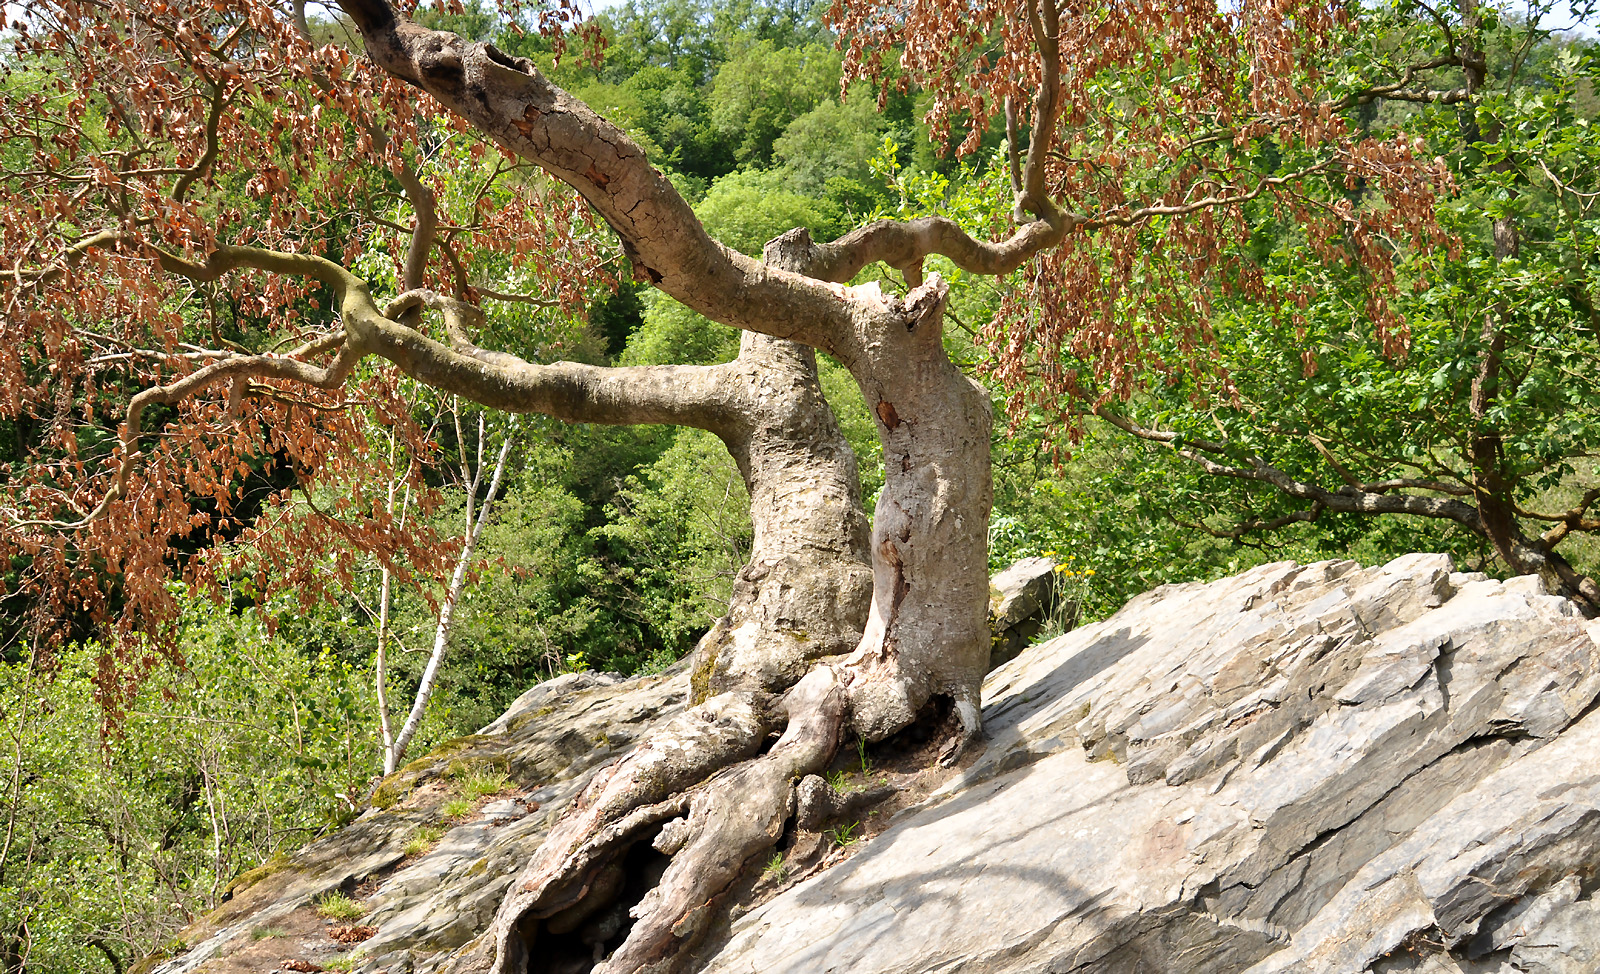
pixel 1257 526
pixel 1348 499
pixel 1043 20
pixel 1444 25
pixel 267 366
pixel 903 244
pixel 219 103
pixel 1130 217
pixel 1401 90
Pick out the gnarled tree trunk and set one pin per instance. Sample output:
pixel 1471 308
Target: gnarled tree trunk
pixel 927 634
pixel 708 791
pixel 805 591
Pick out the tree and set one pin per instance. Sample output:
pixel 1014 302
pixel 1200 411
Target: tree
pixel 394 745
pixel 1484 424
pixel 710 789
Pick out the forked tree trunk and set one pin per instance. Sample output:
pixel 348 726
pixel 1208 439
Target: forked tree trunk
pixel 927 634
pixel 707 790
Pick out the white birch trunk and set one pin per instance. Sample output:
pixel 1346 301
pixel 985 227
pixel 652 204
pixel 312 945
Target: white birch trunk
pixel 441 636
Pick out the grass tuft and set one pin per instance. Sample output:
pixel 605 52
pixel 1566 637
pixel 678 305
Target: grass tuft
pixel 268 933
pixel 481 784
pixel 845 835
pixel 338 906
pixel 422 840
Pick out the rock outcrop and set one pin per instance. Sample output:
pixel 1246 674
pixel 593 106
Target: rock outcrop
pixel 1021 600
pixel 1313 769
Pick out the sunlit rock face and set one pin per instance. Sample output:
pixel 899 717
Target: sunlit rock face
pixel 1317 768
pixel 1313 768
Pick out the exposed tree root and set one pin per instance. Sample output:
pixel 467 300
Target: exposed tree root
pixel 733 820
pixel 698 792
pixel 568 878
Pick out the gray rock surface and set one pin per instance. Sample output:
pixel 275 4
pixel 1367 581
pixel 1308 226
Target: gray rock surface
pixel 1308 769
pixel 1313 769
pixel 427 904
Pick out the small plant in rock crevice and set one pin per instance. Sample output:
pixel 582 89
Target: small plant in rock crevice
pixel 840 781
pixel 844 836
pixel 339 906
pixel 422 840
pixel 776 869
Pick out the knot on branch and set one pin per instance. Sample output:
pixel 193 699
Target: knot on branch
pixel 923 303
pixel 792 250
pixel 516 65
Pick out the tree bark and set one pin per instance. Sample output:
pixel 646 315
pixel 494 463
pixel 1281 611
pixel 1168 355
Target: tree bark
pixel 927 633
pixel 805 592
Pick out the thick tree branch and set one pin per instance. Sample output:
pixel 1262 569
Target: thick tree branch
pixel 425 231
pixel 678 395
pixel 52 272
pixel 668 394
pixel 509 100
pixel 675 395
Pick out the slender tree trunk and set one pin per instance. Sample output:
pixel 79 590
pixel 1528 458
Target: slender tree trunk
pixel 385 599
pixel 385 727
pixel 447 610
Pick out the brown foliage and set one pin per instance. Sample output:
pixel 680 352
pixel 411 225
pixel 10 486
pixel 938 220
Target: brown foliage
pixel 352 934
pixel 141 136
pixel 146 136
pixel 1148 125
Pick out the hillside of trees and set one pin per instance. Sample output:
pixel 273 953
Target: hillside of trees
pixel 1296 408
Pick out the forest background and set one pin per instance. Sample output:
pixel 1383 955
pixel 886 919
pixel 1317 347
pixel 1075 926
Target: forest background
pixel 614 548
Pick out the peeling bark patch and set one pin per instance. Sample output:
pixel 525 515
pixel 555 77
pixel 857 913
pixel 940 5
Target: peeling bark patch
pixel 595 176
pixel 530 118
pixel 901 587
pixel 886 412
